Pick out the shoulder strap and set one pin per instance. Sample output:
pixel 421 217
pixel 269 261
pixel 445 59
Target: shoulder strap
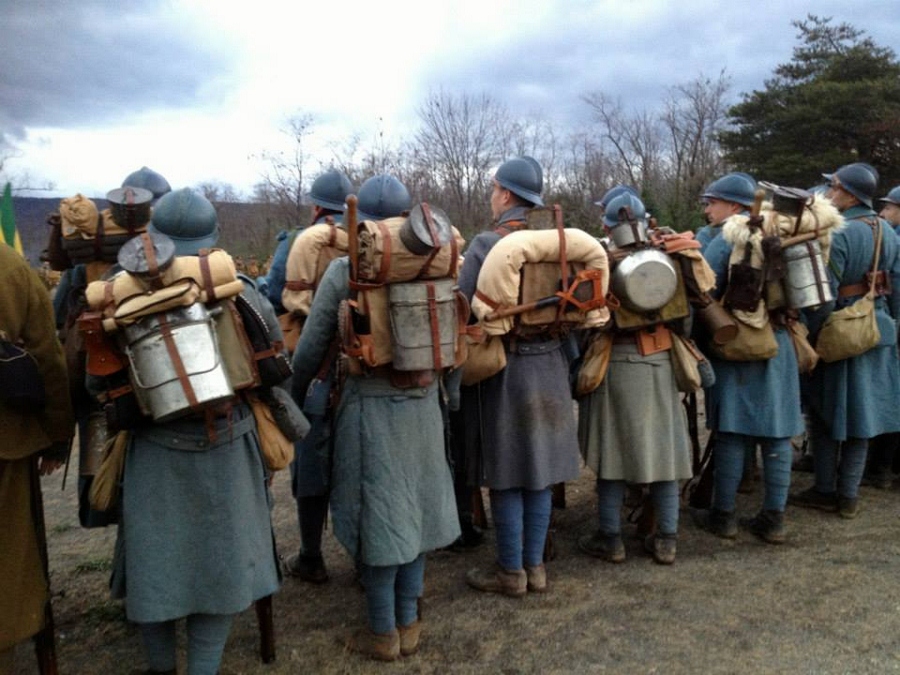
pixel 876 232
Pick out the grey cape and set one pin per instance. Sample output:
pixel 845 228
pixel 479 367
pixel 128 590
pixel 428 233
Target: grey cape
pixel 392 492
pixel 525 413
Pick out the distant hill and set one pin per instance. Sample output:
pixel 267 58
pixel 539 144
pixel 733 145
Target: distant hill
pixel 247 229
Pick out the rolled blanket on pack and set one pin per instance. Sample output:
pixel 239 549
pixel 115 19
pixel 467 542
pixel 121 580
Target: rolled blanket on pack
pixel 383 257
pixel 216 281
pixel 89 235
pixel 500 278
pixel 312 251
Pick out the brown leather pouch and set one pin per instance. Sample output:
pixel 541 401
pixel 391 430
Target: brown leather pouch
pixel 103 357
pixel 654 340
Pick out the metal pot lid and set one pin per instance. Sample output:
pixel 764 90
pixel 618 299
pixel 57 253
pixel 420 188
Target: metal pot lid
pixel 427 227
pixel 147 254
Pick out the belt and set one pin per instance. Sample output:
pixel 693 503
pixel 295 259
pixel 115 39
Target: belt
pixel 881 286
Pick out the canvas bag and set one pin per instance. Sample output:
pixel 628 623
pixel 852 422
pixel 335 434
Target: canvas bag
pixel 691 368
pixel 755 339
pixel 594 364
pixel 23 386
pixel 853 330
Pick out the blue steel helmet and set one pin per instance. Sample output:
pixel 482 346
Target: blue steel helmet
pixel 624 208
pixel 737 187
pixel 523 177
pixel 892 197
pixel 382 197
pixel 330 190
pixel 614 192
pixel 148 179
pixel 188 219
pixel 859 179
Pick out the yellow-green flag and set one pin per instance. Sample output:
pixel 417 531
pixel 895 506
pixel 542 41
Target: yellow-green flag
pixel 7 222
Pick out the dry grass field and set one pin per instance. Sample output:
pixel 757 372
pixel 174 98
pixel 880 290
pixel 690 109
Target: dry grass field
pixel 828 601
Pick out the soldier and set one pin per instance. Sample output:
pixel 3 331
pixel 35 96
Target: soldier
pixel 195 538
pixel 391 490
pixel 34 441
pixel 883 450
pixel 729 195
pixel 311 466
pixel 327 194
pixel 854 399
pixel 632 428
pixel 528 439
pixel 753 402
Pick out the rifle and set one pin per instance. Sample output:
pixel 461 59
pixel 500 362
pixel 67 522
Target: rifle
pixel 266 623
pixel 45 638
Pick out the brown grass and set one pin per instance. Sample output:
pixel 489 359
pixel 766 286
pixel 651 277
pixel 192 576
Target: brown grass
pixel 827 601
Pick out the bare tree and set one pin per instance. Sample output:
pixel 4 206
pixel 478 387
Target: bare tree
pixel 460 139
pixel 282 185
pixel 694 115
pixel 215 191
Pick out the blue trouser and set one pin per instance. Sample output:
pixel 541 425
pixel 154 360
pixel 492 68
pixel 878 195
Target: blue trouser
pixel 611 493
pixel 832 474
pixel 521 520
pixel 207 635
pixel 730 453
pixel 392 594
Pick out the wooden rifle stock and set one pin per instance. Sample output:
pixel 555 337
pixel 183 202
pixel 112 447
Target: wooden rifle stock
pixel 266 629
pixel 45 638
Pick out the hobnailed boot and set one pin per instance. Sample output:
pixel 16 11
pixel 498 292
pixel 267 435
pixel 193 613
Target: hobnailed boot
pixel 537 578
pixel 715 521
pixel 767 525
pixel 309 568
pixel 512 583
pixel 662 547
pixel 813 499
pixel 381 647
pixel 608 547
pixel 409 638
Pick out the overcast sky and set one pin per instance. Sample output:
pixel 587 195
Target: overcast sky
pixel 199 89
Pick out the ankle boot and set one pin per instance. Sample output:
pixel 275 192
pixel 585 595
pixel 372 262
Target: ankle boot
pixel 381 647
pixel 409 637
pixel 513 583
pixel 767 525
pixel 720 523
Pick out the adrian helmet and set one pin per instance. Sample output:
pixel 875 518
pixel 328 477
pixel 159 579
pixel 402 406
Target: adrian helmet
pixel 188 218
pixel 148 179
pixel 330 189
pixel 737 187
pixel 859 179
pixel 892 197
pixel 613 192
pixel 523 177
pixel 626 218
pixel 382 197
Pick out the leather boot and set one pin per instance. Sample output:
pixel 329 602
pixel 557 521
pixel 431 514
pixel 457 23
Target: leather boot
pixel 662 547
pixel 603 545
pixel 537 578
pixel 767 525
pixel 512 583
pixel 381 647
pixel 720 523
pixel 409 637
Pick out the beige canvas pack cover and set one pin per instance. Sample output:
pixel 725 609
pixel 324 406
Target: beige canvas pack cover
pixel 312 251
pixel 500 282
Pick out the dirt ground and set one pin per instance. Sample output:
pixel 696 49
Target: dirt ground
pixel 828 601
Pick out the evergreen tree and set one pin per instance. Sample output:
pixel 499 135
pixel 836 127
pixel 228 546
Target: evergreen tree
pixel 836 101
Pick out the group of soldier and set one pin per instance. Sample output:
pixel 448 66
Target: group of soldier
pixel 396 456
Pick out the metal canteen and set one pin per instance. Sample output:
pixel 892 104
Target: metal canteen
pixel 427 227
pixel 644 281
pixel 150 343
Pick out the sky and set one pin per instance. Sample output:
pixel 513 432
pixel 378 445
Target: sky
pixel 202 90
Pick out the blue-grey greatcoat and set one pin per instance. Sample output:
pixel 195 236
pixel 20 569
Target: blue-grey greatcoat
pixel 195 535
pixel 706 234
pixel 391 490
pixel 754 398
pixel 528 433
pixel 859 397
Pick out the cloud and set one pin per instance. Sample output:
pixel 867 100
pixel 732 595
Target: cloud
pixel 86 63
